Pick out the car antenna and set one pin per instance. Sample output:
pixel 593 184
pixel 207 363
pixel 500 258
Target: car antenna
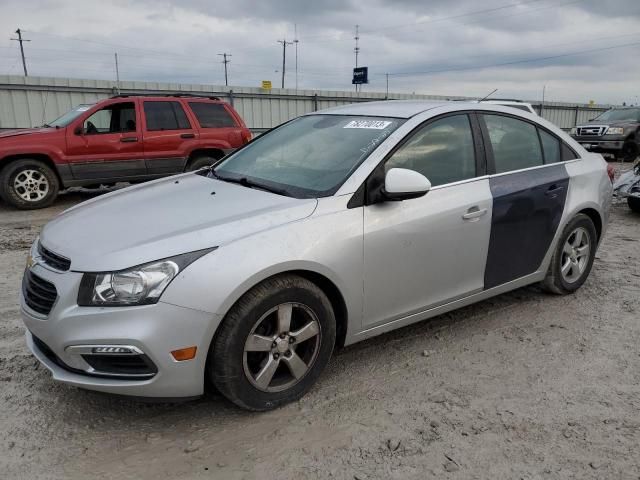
pixel 487 96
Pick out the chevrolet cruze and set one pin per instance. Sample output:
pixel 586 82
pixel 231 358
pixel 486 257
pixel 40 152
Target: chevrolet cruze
pixel 332 228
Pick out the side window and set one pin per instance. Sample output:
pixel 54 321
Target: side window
pixel 442 151
pixel 550 146
pixel 165 116
pixel 115 118
pixel 515 143
pixel 212 115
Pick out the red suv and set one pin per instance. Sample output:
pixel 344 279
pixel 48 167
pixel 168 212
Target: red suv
pixel 125 138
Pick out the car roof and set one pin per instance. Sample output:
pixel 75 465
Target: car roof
pixel 385 108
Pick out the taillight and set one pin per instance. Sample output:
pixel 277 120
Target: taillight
pixel 246 136
pixel 611 172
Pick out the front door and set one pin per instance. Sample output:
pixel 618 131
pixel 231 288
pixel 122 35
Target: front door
pixel 107 144
pixel 427 251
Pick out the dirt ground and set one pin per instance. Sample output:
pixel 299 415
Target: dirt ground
pixel 522 386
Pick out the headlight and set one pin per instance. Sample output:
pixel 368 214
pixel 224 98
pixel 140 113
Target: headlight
pixel 573 131
pixel 141 285
pixel 615 131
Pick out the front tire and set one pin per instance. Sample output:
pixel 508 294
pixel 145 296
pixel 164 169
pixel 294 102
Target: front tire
pixel 629 151
pixel 573 256
pixel 634 204
pixel 273 344
pixel 28 184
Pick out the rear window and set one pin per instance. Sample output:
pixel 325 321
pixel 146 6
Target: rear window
pixel 550 146
pixel 165 116
pixel 212 115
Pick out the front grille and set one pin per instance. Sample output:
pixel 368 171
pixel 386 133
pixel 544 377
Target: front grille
pixel 121 364
pixel 591 131
pixel 53 259
pixel 39 294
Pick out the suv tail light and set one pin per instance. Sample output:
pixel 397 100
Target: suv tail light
pixel 246 136
pixel 611 172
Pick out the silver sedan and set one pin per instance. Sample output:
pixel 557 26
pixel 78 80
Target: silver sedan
pixel 332 228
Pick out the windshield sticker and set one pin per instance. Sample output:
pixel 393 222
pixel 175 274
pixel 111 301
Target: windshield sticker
pixel 373 124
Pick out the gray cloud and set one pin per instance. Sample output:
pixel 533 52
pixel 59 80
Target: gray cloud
pixel 178 41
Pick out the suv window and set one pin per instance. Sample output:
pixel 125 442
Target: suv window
pixel 550 146
pixel 212 115
pixel 165 116
pixel 515 143
pixel 567 153
pixel 442 151
pixel 115 118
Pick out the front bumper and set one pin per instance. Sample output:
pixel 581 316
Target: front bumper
pixel 600 144
pixel 155 330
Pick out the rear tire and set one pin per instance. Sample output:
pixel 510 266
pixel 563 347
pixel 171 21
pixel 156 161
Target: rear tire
pixel 573 256
pixel 258 359
pixel 200 162
pixel 634 204
pixel 28 184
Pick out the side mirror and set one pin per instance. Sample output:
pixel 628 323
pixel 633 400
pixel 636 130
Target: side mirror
pixel 404 184
pixel 79 131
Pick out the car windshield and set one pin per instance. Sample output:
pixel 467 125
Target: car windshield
pixel 70 116
pixel 620 115
pixel 309 157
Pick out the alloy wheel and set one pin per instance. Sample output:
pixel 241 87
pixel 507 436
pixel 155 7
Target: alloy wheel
pixel 575 255
pixel 282 347
pixel 31 185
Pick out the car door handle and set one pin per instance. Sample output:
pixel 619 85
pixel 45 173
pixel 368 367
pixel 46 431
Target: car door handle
pixel 188 135
pixel 554 190
pixel 129 139
pixel 474 213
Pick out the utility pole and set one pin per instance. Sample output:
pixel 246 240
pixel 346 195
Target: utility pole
pixel 20 39
pixel 117 74
pixel 357 48
pixel 387 94
pixel 284 56
pixel 225 60
pixel 295 40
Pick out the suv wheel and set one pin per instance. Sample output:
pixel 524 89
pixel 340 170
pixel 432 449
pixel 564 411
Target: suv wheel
pixel 629 151
pixel 200 162
pixel 273 344
pixel 573 257
pixel 28 184
pixel 634 204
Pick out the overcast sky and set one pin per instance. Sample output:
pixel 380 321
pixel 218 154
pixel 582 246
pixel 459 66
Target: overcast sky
pixel 580 49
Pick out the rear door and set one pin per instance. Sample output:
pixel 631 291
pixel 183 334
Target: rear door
pixel 168 136
pixel 528 196
pixel 107 143
pixel 427 251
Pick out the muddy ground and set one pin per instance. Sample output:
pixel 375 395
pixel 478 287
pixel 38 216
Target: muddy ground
pixel 525 385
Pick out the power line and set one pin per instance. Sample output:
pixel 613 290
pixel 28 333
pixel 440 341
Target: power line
pixel 21 40
pixel 225 61
pixel 515 62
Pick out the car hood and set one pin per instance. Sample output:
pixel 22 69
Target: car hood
pixel 25 131
pixel 163 218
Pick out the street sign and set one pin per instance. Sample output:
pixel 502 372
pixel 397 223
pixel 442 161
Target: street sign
pixel 360 75
pixel 266 84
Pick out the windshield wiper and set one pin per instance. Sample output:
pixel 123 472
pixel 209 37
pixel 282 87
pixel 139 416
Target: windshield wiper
pixel 244 181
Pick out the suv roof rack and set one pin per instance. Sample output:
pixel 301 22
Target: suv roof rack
pixel 502 100
pixel 187 95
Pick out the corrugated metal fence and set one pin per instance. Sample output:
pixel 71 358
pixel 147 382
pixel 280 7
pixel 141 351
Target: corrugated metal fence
pixel 32 101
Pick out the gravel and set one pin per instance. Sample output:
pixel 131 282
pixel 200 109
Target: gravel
pixel 525 385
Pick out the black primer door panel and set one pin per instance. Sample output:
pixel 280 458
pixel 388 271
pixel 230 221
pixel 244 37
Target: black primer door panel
pixel 527 207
